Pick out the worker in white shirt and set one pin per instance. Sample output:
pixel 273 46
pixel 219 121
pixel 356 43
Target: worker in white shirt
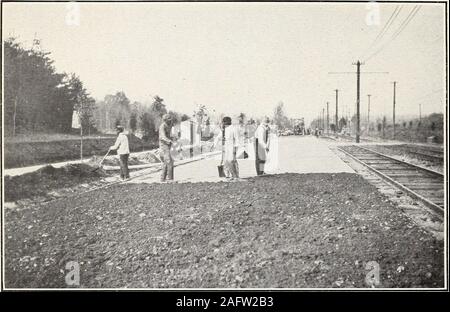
pixel 123 151
pixel 229 140
pixel 262 145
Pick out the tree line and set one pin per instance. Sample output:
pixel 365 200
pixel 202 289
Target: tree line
pixel 36 97
pixel 117 109
pixel 39 99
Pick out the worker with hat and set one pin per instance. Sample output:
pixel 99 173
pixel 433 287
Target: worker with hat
pixel 123 151
pixel 165 143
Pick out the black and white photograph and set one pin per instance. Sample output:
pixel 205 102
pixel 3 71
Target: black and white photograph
pixel 260 146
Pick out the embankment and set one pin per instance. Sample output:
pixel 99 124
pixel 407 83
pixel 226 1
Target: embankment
pixel 20 154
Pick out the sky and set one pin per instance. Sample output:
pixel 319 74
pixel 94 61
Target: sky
pixel 246 57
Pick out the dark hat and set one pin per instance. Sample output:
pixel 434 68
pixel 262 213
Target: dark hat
pixel 226 121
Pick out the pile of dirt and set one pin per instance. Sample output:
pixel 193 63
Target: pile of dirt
pixel 290 230
pixel 114 161
pixel 140 159
pixel 149 157
pixel 48 178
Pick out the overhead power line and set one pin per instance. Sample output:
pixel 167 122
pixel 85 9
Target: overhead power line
pixel 385 28
pixel 409 18
pixel 399 30
pixel 388 24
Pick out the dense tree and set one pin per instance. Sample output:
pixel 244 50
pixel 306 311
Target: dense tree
pixel 84 104
pixel 147 126
pixel 119 108
pixel 135 110
pixel 280 118
pixel 36 97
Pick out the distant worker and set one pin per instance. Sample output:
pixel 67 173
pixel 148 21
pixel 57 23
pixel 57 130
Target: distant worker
pixel 165 143
pixel 262 145
pixel 123 151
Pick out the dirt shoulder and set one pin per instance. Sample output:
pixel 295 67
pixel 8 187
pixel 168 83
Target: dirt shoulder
pixel 290 230
pixel 46 180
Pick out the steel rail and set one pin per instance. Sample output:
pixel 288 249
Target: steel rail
pixel 402 162
pixel 436 208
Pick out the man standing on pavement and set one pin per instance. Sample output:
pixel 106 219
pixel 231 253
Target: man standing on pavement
pixel 229 139
pixel 262 144
pixel 165 143
pixel 123 151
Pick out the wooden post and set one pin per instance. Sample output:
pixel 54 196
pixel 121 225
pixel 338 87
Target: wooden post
pixel 191 150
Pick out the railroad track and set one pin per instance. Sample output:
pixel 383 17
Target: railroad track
pixel 432 154
pixel 420 183
pixel 425 152
pixel 349 138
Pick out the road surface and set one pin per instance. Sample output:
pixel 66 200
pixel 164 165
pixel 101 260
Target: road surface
pixel 296 154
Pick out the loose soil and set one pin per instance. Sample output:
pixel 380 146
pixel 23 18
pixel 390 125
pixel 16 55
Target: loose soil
pixel 49 182
pixel 289 230
pixel 47 179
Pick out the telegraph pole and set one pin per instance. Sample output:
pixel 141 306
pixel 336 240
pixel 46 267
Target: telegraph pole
pixel 393 110
pixel 319 123
pixel 323 118
pixel 328 121
pixel 80 115
pixel 368 115
pixel 358 73
pixel 336 128
pixel 420 112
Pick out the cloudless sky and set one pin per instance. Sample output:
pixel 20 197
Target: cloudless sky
pixel 244 57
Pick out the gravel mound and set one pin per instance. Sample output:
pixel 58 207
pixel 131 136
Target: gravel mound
pixel 48 178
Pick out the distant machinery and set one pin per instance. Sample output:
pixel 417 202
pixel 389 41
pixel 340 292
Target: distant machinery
pixel 299 126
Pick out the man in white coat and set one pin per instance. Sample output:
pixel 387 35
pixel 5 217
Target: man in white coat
pixel 262 145
pixel 123 151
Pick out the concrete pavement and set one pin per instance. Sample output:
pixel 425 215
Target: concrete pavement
pixel 296 154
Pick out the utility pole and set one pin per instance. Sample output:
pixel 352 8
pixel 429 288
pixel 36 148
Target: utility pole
pixel 420 113
pixel 328 121
pixel 337 120
pixel 80 115
pixel 358 73
pixel 191 149
pixel 323 118
pixel 393 110
pixel 368 115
